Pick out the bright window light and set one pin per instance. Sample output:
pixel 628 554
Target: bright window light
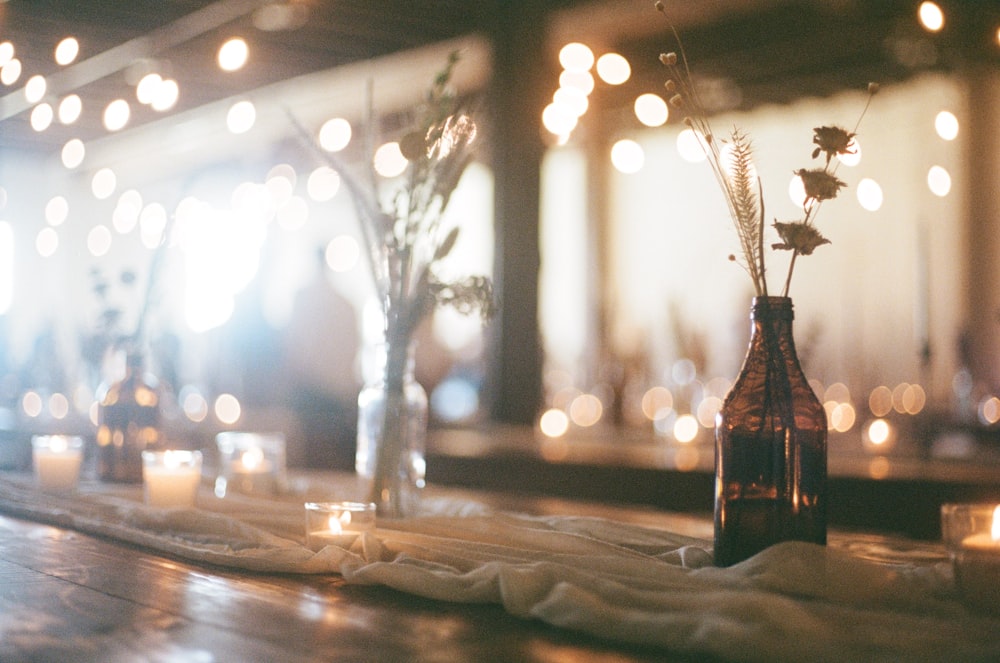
pixel 221 256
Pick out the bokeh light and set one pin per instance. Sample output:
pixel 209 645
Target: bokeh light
pixel 241 117
pixel 335 134
pixel 613 69
pixel 686 428
pixel 34 88
pixel 389 160
pixel 323 184
pixel 56 210
pixel 233 54
pixel 227 409
pixel 586 410
pixel 342 253
pixel 627 156
pixel 869 194
pixel 651 110
pixel 931 16
pixel 655 401
pixel 690 146
pixel 554 423
pixel 66 51
pixel 41 117
pixel 116 115
pixel 880 401
pixel 70 108
pixel 10 72
pixel 576 57
pixel 73 153
pixel 939 181
pixel 946 125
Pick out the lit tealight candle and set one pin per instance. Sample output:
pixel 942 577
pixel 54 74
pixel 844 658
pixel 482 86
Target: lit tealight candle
pixel 57 461
pixel 250 462
pixel 171 478
pixel 337 523
pixel 972 535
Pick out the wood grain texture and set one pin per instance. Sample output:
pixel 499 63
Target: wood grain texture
pixel 66 596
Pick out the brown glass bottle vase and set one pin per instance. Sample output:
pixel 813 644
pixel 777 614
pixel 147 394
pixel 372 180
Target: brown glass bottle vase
pixel 128 423
pixel 770 446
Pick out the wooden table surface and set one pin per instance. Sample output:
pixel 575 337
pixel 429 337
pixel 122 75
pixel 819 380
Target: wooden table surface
pixel 68 596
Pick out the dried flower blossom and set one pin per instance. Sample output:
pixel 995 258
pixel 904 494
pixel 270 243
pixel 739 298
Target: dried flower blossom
pixel 832 141
pixel 799 237
pixel 741 188
pixel 819 185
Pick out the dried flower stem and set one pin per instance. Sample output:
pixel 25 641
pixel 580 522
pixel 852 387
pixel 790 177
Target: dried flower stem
pixel 741 187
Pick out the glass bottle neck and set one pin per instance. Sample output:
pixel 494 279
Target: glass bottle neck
pixel 771 309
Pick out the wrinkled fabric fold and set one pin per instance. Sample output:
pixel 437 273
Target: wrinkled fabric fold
pixel 614 580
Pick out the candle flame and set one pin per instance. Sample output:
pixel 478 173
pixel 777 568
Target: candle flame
pixel 58 444
pixel 251 458
pixel 171 460
pixel 345 517
pixel 334 523
pixel 995 530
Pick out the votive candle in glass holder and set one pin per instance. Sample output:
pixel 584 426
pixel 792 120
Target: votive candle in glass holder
pixel 251 463
pixel 971 534
pixel 171 478
pixel 57 460
pixel 337 523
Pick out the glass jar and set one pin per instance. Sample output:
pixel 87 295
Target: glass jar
pixel 392 433
pixel 770 446
pixel 128 423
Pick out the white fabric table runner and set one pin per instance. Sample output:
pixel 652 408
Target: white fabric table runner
pixel 619 581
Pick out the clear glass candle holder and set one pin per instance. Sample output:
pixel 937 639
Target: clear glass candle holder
pixel 971 533
pixel 171 478
pixel 250 463
pixel 56 460
pixel 337 523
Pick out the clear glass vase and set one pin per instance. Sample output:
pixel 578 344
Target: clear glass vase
pixel 770 451
pixel 128 423
pixel 392 433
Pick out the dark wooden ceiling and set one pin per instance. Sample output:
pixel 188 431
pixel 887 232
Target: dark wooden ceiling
pixel 767 50
pixel 180 38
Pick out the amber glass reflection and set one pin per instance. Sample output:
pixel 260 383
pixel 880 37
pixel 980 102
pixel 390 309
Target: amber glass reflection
pixel 770 453
pixel 128 423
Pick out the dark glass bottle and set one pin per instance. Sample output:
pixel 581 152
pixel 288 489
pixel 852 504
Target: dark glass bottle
pixel 770 446
pixel 128 422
